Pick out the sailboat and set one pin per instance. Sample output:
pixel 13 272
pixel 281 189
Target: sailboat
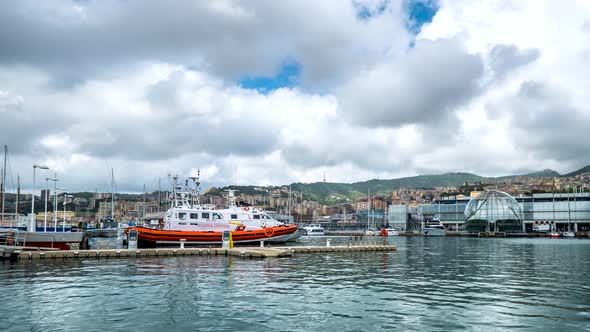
pixel 35 239
pixel 369 231
pixel 569 233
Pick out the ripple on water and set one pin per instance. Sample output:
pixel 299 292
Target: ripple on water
pixel 428 284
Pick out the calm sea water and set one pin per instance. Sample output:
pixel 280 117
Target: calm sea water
pixel 428 284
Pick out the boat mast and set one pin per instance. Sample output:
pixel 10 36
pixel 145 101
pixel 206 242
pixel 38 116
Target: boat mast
pixel 112 195
pixel 3 186
pixel 143 206
pixel 159 193
pixel 17 196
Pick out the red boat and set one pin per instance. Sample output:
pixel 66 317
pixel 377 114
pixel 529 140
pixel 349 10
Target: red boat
pixel 148 237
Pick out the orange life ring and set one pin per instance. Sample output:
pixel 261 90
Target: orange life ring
pixel 269 232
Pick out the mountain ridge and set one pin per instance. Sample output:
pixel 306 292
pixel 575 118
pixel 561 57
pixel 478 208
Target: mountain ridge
pixel 337 193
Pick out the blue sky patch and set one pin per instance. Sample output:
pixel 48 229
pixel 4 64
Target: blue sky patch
pixel 364 13
pixel 287 76
pixel 419 13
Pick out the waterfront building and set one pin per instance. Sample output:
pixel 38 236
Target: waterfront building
pixel 493 211
pixel 561 210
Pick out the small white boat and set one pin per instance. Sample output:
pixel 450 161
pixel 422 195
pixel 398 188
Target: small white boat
pixel 314 230
pixel 568 234
pixel 392 232
pixel 433 227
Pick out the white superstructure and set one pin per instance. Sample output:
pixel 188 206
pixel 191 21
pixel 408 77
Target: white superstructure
pixel 314 230
pixel 433 227
pixel 249 216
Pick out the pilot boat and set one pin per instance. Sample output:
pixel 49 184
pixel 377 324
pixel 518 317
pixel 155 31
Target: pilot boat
pixel 191 223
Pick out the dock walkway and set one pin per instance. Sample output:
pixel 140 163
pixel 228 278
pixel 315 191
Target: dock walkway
pixel 243 252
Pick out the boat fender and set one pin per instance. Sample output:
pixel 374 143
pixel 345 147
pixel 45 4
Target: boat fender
pixel 384 232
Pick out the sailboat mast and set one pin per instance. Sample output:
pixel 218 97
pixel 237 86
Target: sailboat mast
pixel 3 188
pixel 17 195
pixel 112 194
pixel 159 193
pixel 143 206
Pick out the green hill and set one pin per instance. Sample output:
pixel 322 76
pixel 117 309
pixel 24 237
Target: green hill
pixel 585 169
pixel 337 193
pixel 546 173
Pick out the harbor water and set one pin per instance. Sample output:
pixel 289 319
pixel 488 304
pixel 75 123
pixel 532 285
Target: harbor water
pixel 436 283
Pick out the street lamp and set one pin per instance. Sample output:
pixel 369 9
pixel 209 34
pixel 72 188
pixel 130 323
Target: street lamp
pixel 55 209
pixel 63 229
pixel 46 198
pixel 54 179
pixel 33 225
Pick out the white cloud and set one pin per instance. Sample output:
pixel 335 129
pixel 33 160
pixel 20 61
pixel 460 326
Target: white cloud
pixel 86 87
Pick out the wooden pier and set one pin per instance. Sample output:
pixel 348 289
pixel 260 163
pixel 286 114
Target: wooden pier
pixel 243 252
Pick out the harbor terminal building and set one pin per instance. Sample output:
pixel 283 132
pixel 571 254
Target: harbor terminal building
pixel 498 211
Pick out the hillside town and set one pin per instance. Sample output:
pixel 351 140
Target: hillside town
pixel 284 202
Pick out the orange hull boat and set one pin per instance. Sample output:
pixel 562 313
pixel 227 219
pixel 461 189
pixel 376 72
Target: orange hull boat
pixel 151 237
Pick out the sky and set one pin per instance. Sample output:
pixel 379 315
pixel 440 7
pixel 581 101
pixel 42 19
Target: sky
pixel 275 92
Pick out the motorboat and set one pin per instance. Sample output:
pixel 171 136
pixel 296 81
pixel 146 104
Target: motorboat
pixel 314 230
pixel 392 231
pixel 553 235
pixel 433 227
pixel 186 221
pixel 253 217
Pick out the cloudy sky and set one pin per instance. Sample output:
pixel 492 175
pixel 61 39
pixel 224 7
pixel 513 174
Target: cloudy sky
pixel 273 92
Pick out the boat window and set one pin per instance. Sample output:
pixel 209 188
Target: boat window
pixel 205 215
pixel 182 215
pixel 234 216
pixel 256 216
pixel 194 216
pixel 217 216
pixel 182 223
pixel 194 224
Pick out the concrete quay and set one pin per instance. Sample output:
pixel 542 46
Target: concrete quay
pixel 242 252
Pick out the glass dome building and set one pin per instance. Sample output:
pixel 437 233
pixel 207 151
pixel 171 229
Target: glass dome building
pixel 493 211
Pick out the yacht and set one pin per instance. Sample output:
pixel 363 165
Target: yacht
pixel 314 230
pixel 433 227
pixel 189 222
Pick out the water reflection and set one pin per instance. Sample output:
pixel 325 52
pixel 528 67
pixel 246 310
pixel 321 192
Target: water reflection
pixel 428 284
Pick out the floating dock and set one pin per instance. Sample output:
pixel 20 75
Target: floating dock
pixel 244 252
